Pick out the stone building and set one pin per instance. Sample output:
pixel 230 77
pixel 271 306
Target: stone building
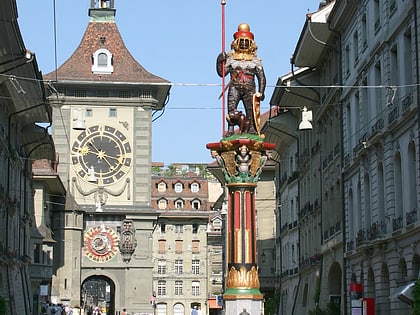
pixel 102 101
pixel 186 256
pixel 49 199
pixel 23 112
pixel 347 190
pixel 380 119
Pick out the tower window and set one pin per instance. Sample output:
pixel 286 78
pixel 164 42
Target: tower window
pixel 102 62
pixel 112 112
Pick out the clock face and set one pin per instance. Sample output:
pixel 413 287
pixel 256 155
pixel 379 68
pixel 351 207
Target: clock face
pixel 101 244
pixel 102 151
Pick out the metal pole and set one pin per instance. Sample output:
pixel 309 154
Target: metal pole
pixel 223 3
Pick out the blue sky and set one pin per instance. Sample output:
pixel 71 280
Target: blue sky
pixel 178 41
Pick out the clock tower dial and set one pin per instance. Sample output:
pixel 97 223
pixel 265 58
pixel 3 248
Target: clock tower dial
pixel 102 152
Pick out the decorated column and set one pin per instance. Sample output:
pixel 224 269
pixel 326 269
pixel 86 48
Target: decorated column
pixel 242 159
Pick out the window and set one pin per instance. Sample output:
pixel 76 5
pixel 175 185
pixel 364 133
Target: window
pixel 195 204
pixel 364 31
pixel 161 187
pixel 178 187
pixel 37 253
pixel 102 62
pixel 347 60
pixel 356 46
pixel 162 266
pixel 195 227
pixel 162 246
pixel 124 94
pixel 161 309
pixel 178 287
pixel 178 246
pixel 195 266
pixel 162 228
pixel 377 14
pixel 195 187
pixel 112 112
pixel 179 228
pixel 195 247
pixel 195 288
pixel 162 204
pixel 179 204
pixel 178 266
pixel 161 288
pixel 217 225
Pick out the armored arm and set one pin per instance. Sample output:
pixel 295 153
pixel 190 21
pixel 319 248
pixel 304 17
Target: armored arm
pixel 261 79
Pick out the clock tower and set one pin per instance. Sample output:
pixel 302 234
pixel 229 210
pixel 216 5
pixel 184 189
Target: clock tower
pixel 103 101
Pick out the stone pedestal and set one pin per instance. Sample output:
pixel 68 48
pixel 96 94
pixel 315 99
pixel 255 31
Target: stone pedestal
pixel 242 159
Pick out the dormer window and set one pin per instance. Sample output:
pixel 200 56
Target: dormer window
pixel 178 187
pixel 195 187
pixel 102 62
pixel 179 204
pixel 161 187
pixel 195 204
pixel 162 203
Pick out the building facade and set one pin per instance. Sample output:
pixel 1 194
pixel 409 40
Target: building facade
pixel 187 247
pixel 49 200
pixel 357 169
pixel 379 43
pixel 22 105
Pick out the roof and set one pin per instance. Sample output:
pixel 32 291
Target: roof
pixel 103 35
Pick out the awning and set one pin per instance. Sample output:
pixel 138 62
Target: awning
pixel 213 303
pixel 404 293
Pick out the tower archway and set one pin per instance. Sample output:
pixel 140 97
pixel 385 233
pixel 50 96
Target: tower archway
pixel 98 291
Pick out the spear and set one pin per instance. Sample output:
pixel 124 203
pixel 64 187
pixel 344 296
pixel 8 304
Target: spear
pixel 223 3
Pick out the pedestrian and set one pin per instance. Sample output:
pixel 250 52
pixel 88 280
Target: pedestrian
pixel 123 312
pixel 194 311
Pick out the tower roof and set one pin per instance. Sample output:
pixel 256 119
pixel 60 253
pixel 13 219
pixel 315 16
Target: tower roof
pixel 102 34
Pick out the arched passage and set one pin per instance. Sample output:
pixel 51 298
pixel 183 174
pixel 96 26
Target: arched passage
pixel 98 291
pixel 334 279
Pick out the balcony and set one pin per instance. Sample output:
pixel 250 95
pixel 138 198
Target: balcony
pixel 350 245
pixel 393 115
pixel 397 223
pixel 411 217
pixel 360 238
pixel 406 103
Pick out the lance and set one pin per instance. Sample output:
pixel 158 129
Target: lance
pixel 223 3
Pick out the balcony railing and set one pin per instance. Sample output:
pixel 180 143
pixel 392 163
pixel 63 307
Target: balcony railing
pixel 411 217
pixel 397 223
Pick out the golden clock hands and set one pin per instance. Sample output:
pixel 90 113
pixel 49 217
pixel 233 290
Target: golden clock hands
pixel 94 146
pixel 120 158
pixel 100 154
pixel 107 162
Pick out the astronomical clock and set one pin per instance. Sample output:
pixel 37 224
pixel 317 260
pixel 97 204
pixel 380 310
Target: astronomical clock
pixel 101 243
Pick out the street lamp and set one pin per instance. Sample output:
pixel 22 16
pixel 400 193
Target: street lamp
pixel 306 124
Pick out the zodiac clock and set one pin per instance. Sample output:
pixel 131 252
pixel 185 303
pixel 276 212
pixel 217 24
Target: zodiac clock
pixel 102 152
pixel 101 243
